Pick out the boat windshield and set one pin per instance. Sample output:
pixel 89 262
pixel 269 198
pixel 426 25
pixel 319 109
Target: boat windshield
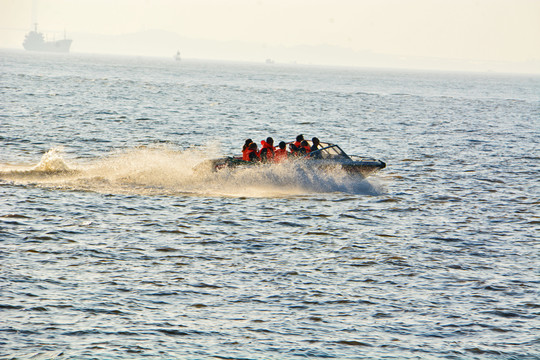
pixel 329 151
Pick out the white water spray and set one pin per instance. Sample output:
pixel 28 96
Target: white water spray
pixel 165 171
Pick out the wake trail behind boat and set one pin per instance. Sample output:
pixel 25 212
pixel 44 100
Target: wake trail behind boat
pixel 165 171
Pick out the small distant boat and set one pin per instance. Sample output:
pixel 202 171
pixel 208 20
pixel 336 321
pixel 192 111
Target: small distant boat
pixel 327 158
pixel 35 41
pixel 177 56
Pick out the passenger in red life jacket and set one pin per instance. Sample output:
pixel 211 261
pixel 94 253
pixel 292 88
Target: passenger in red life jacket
pixel 293 150
pixel 304 148
pixel 251 153
pixel 298 141
pixel 245 148
pixel 268 150
pixel 281 154
pixel 246 144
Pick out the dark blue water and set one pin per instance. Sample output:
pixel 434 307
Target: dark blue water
pixel 112 247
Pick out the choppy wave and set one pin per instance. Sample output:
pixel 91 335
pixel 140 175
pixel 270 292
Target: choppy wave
pixel 165 171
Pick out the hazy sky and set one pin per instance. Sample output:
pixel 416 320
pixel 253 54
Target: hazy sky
pixel 473 30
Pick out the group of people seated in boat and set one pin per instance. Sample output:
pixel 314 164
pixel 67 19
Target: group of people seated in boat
pixel 269 153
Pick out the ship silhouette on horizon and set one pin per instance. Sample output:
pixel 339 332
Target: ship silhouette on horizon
pixel 35 41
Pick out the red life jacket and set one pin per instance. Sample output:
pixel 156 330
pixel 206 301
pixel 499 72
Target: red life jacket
pixel 270 150
pixel 297 144
pixel 308 149
pixel 248 155
pixel 280 155
pixel 245 154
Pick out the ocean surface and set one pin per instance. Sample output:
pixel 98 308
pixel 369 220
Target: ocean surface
pixel 112 247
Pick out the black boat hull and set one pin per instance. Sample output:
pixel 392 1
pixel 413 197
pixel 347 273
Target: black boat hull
pixel 362 167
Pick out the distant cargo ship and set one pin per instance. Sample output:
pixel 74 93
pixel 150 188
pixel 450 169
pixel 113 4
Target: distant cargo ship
pixel 35 41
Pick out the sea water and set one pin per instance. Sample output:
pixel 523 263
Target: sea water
pixel 113 247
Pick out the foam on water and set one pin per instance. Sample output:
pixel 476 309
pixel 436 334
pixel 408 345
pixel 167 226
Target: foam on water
pixel 52 161
pixel 161 170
